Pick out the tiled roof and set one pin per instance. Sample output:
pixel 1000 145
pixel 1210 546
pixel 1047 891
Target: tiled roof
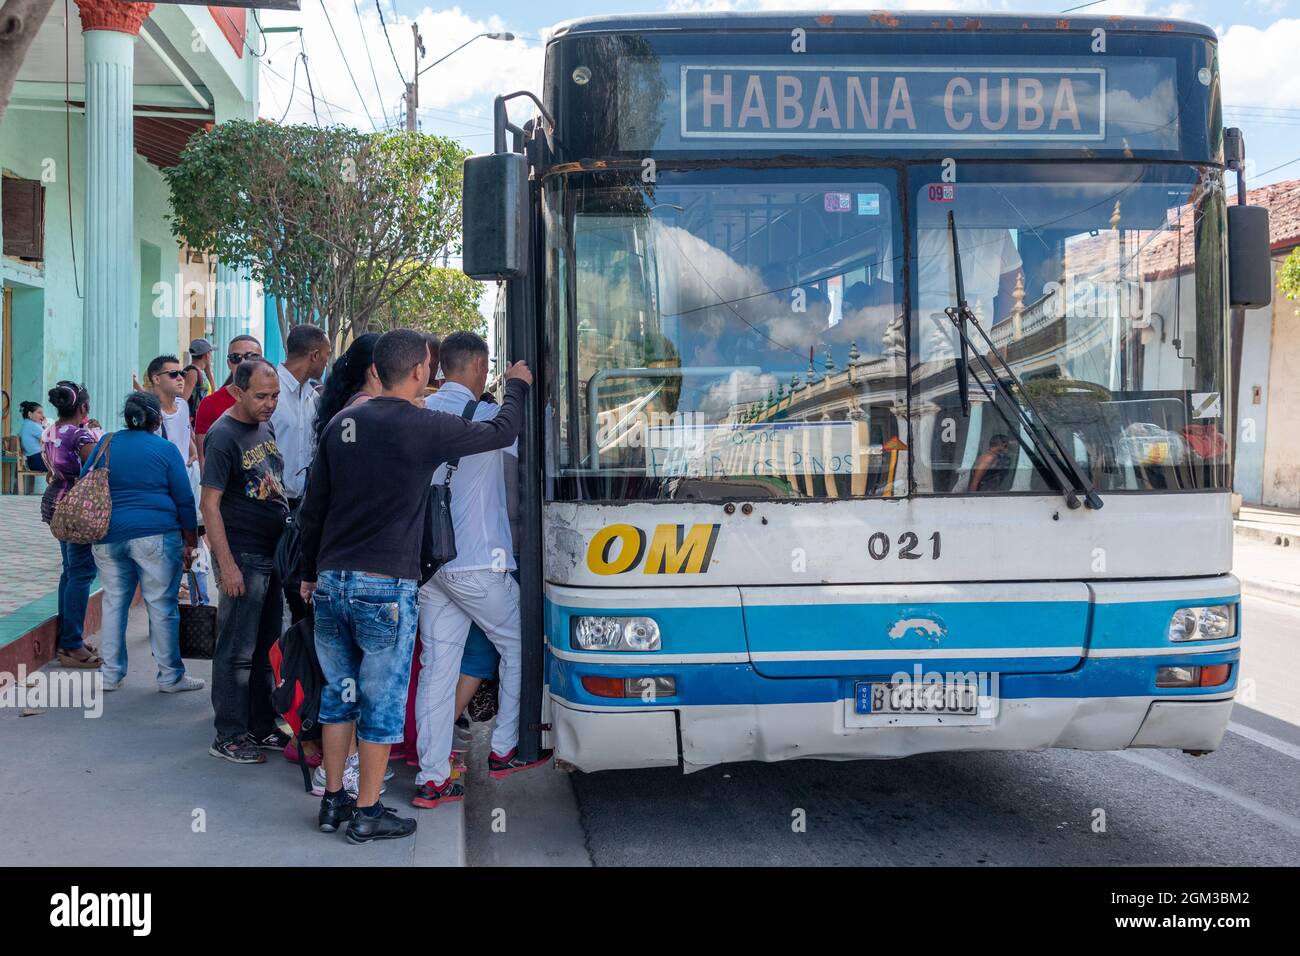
pixel 1170 253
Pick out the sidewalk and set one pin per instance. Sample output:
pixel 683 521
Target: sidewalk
pixel 1266 553
pixel 30 564
pixel 136 786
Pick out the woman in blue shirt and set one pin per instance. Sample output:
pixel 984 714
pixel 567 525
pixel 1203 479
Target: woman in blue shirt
pixel 33 424
pixel 152 529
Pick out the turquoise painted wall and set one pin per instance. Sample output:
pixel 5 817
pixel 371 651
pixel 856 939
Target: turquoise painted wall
pixel 33 145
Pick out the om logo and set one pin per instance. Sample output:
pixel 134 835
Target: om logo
pixel 673 549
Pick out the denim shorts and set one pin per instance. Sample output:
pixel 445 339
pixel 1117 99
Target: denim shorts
pixel 480 658
pixel 365 636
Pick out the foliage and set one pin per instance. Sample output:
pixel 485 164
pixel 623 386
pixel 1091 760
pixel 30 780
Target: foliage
pixel 335 223
pixel 437 300
pixel 1289 276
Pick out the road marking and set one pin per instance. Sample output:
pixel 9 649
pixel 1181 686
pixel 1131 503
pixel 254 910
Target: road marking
pixel 1275 817
pixel 1267 740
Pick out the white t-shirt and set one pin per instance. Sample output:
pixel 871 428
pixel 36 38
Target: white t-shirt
pixel 176 428
pixel 478 492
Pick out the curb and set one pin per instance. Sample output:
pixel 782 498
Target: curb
pixel 1270 534
pixel 35 646
pixel 1273 590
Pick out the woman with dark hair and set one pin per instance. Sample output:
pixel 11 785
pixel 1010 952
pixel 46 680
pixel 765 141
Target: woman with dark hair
pixel 65 445
pixel 352 379
pixel 33 415
pixel 150 533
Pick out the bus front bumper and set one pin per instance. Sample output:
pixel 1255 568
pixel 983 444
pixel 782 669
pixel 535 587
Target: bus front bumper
pixel 595 738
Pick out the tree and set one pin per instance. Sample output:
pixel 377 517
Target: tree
pixel 1288 280
pixel 19 21
pixel 336 224
pixel 438 300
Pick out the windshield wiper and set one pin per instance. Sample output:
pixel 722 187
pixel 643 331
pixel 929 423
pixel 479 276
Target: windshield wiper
pixel 1064 469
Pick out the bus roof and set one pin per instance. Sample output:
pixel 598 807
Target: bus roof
pixel 882 20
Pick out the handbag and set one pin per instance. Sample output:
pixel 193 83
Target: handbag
pixel 83 514
pixel 438 545
pixel 198 625
pixel 484 704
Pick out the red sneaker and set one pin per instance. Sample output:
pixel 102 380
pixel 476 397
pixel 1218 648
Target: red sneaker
pixel 499 767
pixel 430 795
pixel 291 755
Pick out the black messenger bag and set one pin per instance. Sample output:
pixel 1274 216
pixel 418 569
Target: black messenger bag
pixel 438 545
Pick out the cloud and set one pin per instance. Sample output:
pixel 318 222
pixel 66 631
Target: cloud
pixel 1258 66
pixel 454 96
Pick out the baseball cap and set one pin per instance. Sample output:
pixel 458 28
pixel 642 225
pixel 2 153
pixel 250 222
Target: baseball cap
pixel 200 347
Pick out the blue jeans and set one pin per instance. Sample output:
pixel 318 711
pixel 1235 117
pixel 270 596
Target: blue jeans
pixel 74 593
pixel 154 563
pixel 365 636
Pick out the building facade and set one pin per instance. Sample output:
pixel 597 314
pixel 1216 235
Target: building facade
pixel 94 283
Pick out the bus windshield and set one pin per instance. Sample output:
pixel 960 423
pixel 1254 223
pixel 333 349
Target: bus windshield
pixel 760 332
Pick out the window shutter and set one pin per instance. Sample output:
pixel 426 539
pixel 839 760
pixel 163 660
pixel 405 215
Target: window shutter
pixel 23 205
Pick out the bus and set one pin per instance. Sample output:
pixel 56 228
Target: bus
pixel 883 396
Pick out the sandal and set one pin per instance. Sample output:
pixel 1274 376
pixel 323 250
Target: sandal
pixel 90 662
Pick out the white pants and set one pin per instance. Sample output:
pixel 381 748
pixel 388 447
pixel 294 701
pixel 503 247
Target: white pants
pixel 449 601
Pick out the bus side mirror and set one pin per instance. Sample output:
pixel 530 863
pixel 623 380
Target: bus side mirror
pixel 1250 272
pixel 495 221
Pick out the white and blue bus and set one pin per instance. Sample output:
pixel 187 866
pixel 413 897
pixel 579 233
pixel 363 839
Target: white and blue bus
pixel 883 396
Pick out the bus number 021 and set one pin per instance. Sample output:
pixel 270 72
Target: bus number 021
pixel 878 546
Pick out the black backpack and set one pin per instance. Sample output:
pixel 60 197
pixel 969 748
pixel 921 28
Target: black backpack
pixel 287 559
pixel 299 681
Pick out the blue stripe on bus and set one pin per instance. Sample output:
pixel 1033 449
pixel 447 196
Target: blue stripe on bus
pixel 970 626
pixel 703 684
pixel 1146 623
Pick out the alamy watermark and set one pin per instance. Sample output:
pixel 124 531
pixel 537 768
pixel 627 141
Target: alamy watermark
pixel 75 690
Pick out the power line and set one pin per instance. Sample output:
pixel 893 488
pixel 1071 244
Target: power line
pixel 400 74
pixel 293 86
pixel 306 69
pixel 1276 168
pixel 374 76
pixel 356 86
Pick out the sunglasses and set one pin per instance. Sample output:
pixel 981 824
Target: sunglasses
pixel 237 357
pixel 173 374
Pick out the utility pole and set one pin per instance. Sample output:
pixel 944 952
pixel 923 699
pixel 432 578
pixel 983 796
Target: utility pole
pixel 413 88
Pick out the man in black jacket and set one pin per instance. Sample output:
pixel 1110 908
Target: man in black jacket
pixel 362 522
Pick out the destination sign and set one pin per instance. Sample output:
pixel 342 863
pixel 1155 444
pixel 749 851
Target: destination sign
pixel 851 103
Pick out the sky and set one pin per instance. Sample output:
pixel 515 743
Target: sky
pixel 355 75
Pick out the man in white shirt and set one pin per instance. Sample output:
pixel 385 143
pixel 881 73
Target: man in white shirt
pixel 307 352
pixel 475 586
pixel 167 381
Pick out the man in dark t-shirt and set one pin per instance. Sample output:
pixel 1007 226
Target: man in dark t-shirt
pixel 244 510
pixel 361 564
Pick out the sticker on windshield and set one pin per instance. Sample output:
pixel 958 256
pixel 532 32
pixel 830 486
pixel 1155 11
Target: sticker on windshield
pixel 942 192
pixel 1206 405
pixel 838 202
pixel 868 204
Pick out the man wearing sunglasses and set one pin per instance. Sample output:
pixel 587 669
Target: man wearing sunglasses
pixel 167 381
pixel 219 402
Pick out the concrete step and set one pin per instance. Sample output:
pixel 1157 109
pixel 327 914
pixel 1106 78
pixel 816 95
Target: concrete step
pixel 1270 516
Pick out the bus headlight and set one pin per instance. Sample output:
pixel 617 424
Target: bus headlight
pixel 1203 623
pixel 615 634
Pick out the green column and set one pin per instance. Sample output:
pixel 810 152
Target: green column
pixel 110 317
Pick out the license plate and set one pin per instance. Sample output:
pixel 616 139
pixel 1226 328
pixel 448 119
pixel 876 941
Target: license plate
pixel 922 699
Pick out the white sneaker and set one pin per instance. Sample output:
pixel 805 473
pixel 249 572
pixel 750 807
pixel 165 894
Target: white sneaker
pixel 351 778
pixel 185 683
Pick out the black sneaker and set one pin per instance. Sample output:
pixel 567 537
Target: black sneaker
pixel 272 741
pixel 387 826
pixel 499 767
pixel 335 811
pixel 237 749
